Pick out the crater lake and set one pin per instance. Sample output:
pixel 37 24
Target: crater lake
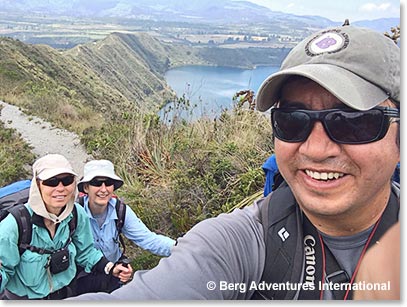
pixel 211 88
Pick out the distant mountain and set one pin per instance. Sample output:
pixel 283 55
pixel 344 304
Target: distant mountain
pixel 380 25
pixel 220 11
pixel 196 11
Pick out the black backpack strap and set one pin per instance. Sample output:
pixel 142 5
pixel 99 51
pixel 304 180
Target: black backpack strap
pixel 74 221
pixel 72 225
pixel 23 218
pixel 121 215
pixel 389 218
pixel 81 201
pixel 277 181
pixel 24 222
pixel 335 275
pixel 3 213
pixel 281 221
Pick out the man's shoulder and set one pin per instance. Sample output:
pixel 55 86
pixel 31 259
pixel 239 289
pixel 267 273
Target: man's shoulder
pixel 246 215
pixel 241 224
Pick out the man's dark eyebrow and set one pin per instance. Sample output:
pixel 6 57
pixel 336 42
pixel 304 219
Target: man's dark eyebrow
pixel 301 105
pixel 292 104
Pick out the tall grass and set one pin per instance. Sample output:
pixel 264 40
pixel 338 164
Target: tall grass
pixel 178 172
pixel 15 156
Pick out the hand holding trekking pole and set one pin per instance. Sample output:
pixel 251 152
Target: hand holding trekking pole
pixel 124 270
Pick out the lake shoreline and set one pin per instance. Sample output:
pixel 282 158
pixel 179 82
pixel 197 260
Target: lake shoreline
pixel 212 88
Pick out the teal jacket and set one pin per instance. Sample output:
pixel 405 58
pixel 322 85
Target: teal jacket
pixel 26 275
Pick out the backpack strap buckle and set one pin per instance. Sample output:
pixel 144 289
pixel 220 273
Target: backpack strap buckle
pixel 337 277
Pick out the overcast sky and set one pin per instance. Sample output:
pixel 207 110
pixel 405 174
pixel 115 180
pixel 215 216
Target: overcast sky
pixel 337 10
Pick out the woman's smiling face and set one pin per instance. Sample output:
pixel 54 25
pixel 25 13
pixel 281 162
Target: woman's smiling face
pixel 55 198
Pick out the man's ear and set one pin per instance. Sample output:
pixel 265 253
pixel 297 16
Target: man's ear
pixel 86 188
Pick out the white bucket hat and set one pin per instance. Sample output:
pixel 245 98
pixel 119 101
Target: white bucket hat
pixel 99 168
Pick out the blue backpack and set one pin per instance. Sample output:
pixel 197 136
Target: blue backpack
pixel 14 194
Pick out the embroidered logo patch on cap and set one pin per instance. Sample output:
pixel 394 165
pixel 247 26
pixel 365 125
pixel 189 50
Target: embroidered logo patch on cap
pixel 327 42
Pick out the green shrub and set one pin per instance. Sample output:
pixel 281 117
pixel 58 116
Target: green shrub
pixel 15 157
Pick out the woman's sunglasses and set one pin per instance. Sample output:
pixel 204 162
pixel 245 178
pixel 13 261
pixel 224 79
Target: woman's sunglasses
pixel 54 181
pixel 341 125
pixel 97 182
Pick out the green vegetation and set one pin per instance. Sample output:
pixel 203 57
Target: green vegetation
pixel 186 172
pixel 180 173
pixel 15 155
pixel 176 172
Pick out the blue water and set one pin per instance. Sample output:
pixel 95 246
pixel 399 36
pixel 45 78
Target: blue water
pixel 212 88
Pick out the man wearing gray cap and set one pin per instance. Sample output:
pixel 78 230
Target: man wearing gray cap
pixel 334 108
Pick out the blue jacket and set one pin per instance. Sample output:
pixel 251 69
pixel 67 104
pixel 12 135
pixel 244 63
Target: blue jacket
pixel 106 239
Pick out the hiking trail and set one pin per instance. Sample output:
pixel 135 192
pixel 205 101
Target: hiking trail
pixel 44 138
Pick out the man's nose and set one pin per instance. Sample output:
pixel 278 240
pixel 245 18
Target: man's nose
pixel 318 146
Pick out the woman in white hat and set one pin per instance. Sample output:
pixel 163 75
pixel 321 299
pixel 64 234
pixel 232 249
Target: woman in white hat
pixel 61 238
pixel 99 183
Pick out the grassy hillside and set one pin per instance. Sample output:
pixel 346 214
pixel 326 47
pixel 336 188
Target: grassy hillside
pixel 53 86
pixel 243 57
pixel 175 174
pixel 129 65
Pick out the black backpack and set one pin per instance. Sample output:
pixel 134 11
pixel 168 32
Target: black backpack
pixel 281 219
pixel 121 215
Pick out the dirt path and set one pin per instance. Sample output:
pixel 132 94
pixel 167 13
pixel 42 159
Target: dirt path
pixel 44 138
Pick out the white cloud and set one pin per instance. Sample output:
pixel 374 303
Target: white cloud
pixel 372 7
pixel 290 5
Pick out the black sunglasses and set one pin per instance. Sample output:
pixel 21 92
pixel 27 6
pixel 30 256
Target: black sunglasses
pixel 97 182
pixel 343 126
pixel 54 181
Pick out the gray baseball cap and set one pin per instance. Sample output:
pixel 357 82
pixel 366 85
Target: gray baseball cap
pixel 360 66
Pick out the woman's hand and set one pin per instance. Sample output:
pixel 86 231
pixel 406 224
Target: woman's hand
pixel 125 274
